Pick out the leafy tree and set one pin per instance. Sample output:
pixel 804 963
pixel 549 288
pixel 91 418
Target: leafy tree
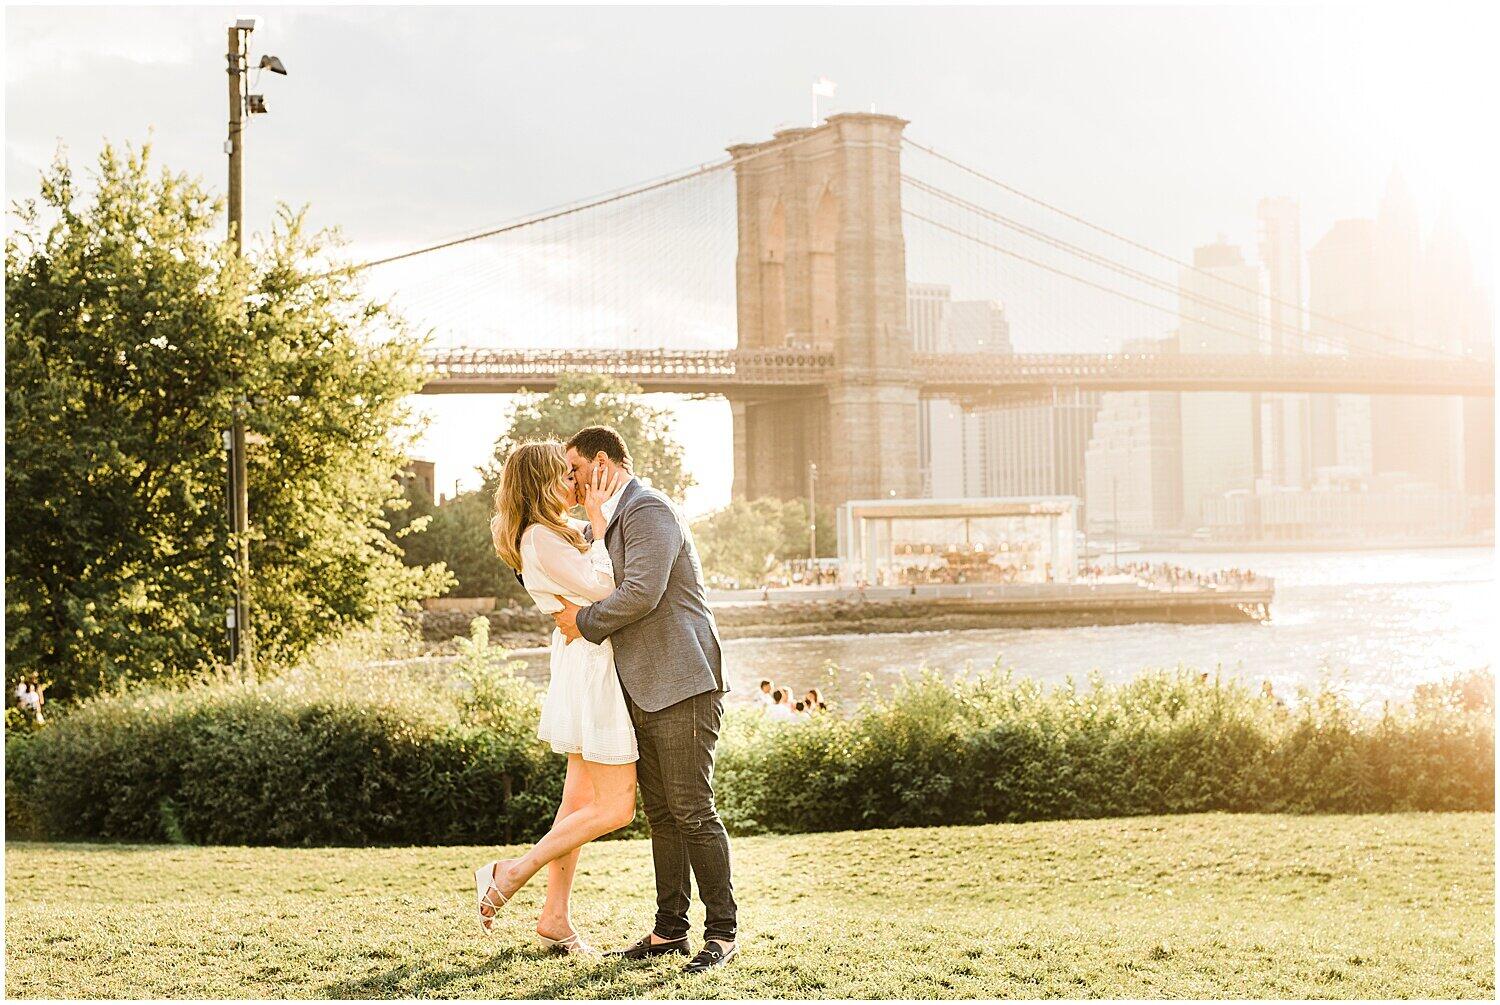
pixel 457 534
pixel 595 400
pixel 130 328
pixel 748 538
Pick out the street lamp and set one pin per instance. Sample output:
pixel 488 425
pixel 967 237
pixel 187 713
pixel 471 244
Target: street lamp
pixel 240 103
pixel 812 516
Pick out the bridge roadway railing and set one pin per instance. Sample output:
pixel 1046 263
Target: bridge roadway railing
pixel 654 369
pixel 970 377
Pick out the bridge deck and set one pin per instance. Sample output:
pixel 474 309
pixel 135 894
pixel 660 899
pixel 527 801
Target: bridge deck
pixel 973 378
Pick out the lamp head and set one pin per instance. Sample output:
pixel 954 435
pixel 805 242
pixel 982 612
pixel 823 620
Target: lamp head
pixel 273 63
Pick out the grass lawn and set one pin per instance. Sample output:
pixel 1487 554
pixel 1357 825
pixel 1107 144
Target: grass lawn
pixel 1192 906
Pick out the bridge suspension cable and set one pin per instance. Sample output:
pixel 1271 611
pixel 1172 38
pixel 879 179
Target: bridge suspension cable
pixel 569 209
pixel 557 213
pixel 1113 265
pixel 1112 291
pixel 1180 263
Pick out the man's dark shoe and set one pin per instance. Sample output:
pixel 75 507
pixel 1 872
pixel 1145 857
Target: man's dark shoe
pixel 645 949
pixel 710 956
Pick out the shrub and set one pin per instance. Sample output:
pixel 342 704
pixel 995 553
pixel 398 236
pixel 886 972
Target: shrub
pixel 997 749
pixel 345 752
pixel 331 753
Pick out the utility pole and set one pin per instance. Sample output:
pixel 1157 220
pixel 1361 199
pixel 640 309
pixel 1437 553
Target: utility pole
pixel 241 649
pixel 234 146
pixel 237 56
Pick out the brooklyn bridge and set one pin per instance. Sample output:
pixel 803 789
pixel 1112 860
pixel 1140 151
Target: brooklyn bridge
pixel 824 365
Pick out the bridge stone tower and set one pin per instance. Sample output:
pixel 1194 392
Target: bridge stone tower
pixel 822 266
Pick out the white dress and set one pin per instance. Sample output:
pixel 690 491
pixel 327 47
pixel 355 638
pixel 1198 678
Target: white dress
pixel 584 711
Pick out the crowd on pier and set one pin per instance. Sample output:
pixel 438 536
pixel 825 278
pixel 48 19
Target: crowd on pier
pixel 1168 576
pixel 959 569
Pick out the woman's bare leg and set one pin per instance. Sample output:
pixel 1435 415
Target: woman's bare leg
pixel 554 922
pixel 611 807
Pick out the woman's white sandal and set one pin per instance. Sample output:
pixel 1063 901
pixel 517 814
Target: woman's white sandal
pixel 484 888
pixel 573 945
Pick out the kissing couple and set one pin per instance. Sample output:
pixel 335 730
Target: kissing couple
pixel 636 693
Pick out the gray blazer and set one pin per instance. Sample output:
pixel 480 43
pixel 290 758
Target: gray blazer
pixel 665 639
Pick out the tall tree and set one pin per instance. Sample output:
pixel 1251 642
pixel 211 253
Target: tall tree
pixel 130 328
pixel 595 400
pixel 748 538
pixel 456 534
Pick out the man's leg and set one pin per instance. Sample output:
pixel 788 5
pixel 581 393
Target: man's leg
pixel 684 736
pixel 668 851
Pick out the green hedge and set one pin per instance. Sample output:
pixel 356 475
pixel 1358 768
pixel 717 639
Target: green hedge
pixel 363 757
pixel 998 749
pixel 322 755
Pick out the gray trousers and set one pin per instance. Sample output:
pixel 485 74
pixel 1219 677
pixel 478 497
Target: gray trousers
pixel 676 772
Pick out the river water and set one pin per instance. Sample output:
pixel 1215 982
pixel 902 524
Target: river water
pixel 1376 623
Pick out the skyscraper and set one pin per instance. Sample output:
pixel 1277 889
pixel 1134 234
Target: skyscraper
pixel 1452 318
pixel 1133 462
pixel 1341 302
pixel 1286 445
pixel 1479 413
pixel 1037 448
pixel 953 445
pixel 1219 311
pixel 1420 438
pixel 1374 288
pixel 978 326
pixel 927 317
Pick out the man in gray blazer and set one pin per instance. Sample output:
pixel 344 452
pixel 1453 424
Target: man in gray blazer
pixel 668 658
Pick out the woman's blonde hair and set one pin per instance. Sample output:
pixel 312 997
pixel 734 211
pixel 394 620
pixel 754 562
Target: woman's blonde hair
pixel 528 495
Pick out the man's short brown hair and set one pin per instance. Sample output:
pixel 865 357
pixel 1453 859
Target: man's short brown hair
pixel 590 440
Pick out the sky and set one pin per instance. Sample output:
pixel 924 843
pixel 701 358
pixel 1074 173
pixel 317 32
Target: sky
pixel 406 125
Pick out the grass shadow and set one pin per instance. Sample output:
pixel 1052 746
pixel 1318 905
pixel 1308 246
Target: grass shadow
pixel 410 980
pixel 606 969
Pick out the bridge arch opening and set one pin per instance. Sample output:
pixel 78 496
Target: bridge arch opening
pixel 773 276
pixel 823 271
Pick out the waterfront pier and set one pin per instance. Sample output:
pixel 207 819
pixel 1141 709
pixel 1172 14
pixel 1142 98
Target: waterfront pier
pixel 814 610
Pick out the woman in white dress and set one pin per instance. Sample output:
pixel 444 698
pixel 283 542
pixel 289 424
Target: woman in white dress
pixel 584 714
